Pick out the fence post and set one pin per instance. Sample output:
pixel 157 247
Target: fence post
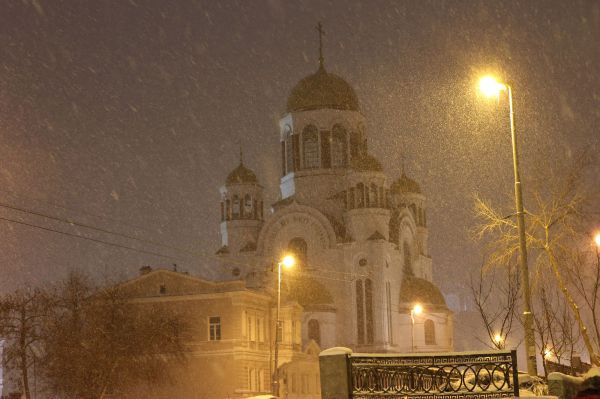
pixel 334 365
pixel 515 376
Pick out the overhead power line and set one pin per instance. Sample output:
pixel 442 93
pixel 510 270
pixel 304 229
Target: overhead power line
pixel 50 203
pixel 88 226
pixel 90 239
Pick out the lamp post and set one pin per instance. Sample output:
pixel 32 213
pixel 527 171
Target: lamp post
pixel 416 310
pixel 491 87
pixel 288 261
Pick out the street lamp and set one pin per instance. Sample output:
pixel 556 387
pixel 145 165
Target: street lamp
pixel 597 240
pixel 491 87
pixel 288 262
pixel 416 310
pixel 498 340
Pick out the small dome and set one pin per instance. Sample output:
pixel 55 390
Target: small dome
pixel 417 290
pixel 366 163
pixel 241 174
pixel 322 90
pixel 405 185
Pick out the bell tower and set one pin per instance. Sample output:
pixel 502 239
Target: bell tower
pixel 241 210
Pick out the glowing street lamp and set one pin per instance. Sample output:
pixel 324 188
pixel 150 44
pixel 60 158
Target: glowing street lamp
pixel 597 240
pixel 491 87
pixel 288 262
pixel 498 339
pixel 417 309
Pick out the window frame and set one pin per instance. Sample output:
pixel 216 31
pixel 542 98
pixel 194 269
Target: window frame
pixel 214 329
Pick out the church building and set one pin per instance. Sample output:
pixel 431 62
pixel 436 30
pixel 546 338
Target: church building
pixel 359 236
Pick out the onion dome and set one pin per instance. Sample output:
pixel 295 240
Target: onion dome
pixel 241 174
pixel 322 90
pixel 417 290
pixel 405 185
pixel 366 163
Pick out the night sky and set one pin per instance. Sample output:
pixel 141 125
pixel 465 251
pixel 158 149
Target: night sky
pixel 127 115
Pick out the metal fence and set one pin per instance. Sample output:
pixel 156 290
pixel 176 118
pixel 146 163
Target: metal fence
pixel 474 375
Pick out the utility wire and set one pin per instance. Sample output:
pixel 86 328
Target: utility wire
pixel 88 226
pixel 106 231
pixel 17 195
pixel 89 238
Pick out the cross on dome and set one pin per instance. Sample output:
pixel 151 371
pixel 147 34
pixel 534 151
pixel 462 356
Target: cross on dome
pixel 321 33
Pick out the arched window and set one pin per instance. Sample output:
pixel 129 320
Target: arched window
pixel 235 214
pixel 314 331
pixel 248 206
pixel 429 332
pixel 364 311
pixel 227 209
pixel 354 145
pixel 360 195
pixel 369 311
pixel 339 151
pixel 299 249
pixel 408 270
pixel 360 312
pixel 351 202
pixel 413 209
pixel 289 149
pixel 310 147
pixel 373 196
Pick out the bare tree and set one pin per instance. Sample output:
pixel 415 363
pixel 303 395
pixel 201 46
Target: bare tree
pixel 495 294
pixel 584 276
pixel 21 319
pixel 98 342
pixel 555 328
pixel 554 224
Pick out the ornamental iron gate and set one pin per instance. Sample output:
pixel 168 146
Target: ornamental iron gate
pixel 452 375
pixel 471 375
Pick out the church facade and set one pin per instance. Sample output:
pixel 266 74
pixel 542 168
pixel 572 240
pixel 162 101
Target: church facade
pixel 359 236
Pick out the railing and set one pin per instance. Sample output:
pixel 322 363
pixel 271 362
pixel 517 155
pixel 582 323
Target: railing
pixel 476 375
